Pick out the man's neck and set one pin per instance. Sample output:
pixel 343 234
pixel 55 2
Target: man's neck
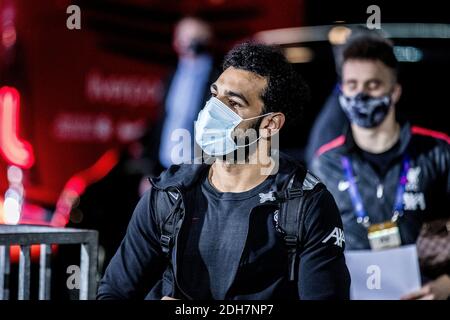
pixel 227 177
pixel 379 139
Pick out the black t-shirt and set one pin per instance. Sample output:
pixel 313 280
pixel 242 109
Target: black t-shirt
pixel 381 162
pixel 220 221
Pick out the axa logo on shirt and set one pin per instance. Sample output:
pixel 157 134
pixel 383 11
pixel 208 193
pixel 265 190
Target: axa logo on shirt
pixel 338 235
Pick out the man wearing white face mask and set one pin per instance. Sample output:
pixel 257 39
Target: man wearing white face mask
pixel 216 130
pixel 230 228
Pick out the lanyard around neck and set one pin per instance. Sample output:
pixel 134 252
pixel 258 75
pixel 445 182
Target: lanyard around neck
pixel 355 196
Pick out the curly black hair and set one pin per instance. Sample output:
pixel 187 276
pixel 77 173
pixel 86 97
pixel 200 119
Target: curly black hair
pixel 286 90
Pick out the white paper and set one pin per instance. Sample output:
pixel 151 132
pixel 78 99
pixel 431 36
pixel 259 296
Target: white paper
pixel 383 275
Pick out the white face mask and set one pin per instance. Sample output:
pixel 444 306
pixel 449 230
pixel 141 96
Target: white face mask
pixel 214 128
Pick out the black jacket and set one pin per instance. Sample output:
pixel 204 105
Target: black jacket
pixel 427 192
pixel 140 270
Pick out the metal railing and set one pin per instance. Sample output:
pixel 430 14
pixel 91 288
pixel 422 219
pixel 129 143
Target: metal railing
pixel 25 236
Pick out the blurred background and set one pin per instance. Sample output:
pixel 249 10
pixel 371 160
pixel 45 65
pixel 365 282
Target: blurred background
pixel 84 113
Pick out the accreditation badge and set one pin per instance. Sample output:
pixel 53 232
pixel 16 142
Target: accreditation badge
pixel 384 235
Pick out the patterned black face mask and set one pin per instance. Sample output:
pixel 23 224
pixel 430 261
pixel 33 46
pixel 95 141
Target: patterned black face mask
pixel 364 110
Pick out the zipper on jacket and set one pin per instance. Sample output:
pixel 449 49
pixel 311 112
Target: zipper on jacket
pixel 380 190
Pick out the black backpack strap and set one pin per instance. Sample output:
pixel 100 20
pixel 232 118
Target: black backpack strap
pixel 291 215
pixel 168 219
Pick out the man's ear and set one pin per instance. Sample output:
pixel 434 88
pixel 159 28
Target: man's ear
pixel 271 124
pixel 396 94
